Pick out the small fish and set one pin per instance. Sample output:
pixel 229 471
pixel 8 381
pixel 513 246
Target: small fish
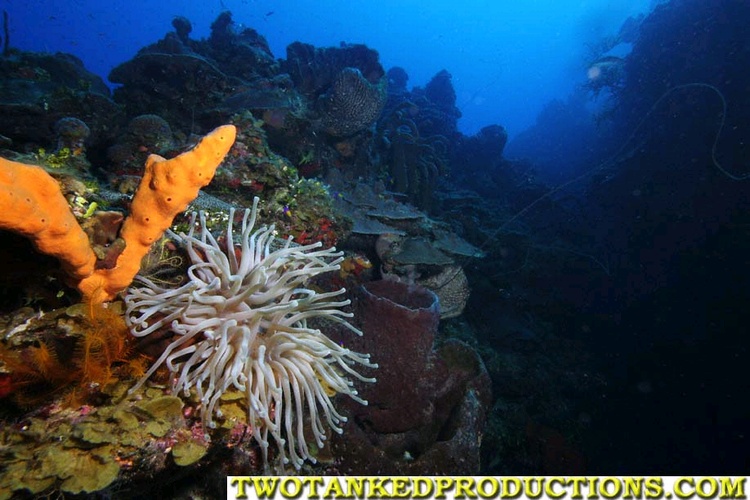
pixel 608 61
pixel 269 13
pixel 604 66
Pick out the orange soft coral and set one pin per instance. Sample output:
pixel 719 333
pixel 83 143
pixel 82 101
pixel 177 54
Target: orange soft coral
pixel 31 204
pixel 103 351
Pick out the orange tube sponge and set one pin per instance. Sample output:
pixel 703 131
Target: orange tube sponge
pixel 31 204
pixel 167 187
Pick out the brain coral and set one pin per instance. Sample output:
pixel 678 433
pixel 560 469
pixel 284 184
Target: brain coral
pixel 352 103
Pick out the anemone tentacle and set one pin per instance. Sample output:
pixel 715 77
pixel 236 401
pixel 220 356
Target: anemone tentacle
pixel 241 321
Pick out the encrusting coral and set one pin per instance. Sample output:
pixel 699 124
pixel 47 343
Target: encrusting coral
pixel 31 204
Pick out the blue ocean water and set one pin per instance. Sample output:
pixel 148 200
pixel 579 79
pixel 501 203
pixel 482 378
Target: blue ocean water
pixel 594 151
pixel 507 58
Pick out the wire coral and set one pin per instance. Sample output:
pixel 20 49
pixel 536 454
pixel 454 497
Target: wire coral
pixel 31 204
pixel 241 321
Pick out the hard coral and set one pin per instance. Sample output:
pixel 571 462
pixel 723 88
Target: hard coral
pixel 241 321
pixel 71 134
pixel 352 104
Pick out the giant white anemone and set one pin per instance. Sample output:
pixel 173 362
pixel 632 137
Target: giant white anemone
pixel 241 321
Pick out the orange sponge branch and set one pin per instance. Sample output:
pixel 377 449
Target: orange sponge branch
pixel 37 209
pixel 32 205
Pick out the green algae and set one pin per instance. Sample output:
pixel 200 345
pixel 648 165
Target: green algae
pixel 83 450
pixel 188 452
pixel 165 407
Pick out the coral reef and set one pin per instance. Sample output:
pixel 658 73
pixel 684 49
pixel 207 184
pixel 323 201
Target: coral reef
pixel 243 311
pixel 416 132
pixel 314 69
pixel 440 93
pixel 240 50
pixel 186 81
pixel 40 89
pixel 299 207
pixel 246 312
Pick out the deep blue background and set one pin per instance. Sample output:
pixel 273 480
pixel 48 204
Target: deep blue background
pixel 507 58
